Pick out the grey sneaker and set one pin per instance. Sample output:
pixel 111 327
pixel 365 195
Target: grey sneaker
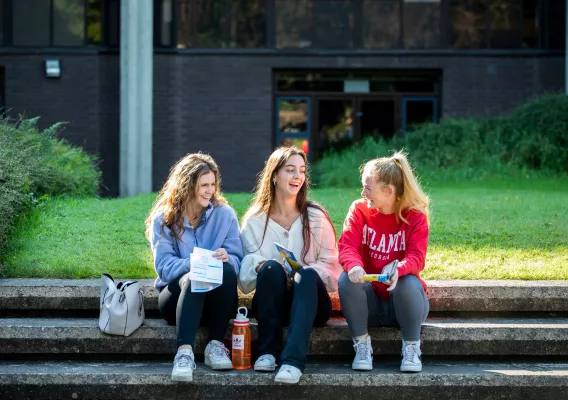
pixel 265 363
pixel 217 356
pixel 411 357
pixel 184 364
pixel 363 360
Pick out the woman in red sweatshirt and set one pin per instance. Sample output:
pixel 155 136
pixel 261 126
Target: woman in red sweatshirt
pixel 389 223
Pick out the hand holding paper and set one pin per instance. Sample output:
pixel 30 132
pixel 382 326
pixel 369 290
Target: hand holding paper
pixel 206 271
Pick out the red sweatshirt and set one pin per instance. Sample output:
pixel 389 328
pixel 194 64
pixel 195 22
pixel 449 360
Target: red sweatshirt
pixel 372 240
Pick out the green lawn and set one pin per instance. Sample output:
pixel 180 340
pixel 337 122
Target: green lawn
pixel 498 230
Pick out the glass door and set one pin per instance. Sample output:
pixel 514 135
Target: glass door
pixel 376 117
pixel 293 122
pixel 418 110
pixel 333 124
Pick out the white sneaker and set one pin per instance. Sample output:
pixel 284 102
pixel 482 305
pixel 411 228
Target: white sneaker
pixel 265 363
pixel 363 360
pixel 411 357
pixel 288 374
pixel 217 356
pixel 184 364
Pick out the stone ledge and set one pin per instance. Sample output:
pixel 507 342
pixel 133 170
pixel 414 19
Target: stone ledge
pixel 136 380
pixel 445 296
pixel 440 337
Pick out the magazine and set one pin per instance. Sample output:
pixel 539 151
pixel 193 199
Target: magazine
pixel 290 262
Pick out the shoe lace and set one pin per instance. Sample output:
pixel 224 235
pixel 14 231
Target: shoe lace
pixel 220 351
pixel 265 357
pixel 287 368
pixel 410 352
pixel 362 349
pixel 185 360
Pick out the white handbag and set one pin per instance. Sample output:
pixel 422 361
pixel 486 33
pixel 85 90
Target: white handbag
pixel 122 306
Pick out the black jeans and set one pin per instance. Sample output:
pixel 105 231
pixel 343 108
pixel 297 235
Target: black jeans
pixel 301 306
pixel 187 310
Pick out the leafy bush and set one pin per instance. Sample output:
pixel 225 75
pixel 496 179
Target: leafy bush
pixel 341 169
pixel 530 141
pixel 36 164
pixel 536 134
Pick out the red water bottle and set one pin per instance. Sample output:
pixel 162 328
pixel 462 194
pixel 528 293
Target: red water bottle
pixel 241 340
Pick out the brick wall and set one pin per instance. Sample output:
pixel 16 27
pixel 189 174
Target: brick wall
pixel 222 104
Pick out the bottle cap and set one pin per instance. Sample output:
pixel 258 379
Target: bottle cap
pixel 241 319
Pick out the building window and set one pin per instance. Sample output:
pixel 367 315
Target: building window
pixel 293 122
pixel 210 17
pixel 163 18
pixel 221 23
pixel 293 23
pixel 505 24
pixel 94 25
pixel 381 24
pixel 68 23
pixel 556 29
pixel 421 24
pixel 112 23
pixel 532 17
pixel 59 23
pixel 335 24
pixel 31 25
pixel 498 24
pixel 248 24
pixel 2 22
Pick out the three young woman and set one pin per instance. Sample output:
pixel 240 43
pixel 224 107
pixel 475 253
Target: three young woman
pixel 389 223
pixel 281 213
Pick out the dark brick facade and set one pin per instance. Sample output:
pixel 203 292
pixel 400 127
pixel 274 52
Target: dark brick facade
pixel 222 104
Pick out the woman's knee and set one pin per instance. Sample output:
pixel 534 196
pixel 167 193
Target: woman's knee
pixel 271 272
pixel 408 286
pixel 307 280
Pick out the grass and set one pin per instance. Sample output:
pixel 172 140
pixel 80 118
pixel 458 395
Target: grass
pixel 495 230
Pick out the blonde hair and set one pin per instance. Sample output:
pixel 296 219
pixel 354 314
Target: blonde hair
pixel 265 191
pixel 396 170
pixel 180 188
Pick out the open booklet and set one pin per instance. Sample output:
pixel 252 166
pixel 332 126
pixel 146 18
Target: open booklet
pixel 290 262
pixel 206 272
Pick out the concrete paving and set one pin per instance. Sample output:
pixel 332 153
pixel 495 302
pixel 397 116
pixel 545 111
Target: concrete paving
pixel 142 380
pixel 444 296
pixel 440 337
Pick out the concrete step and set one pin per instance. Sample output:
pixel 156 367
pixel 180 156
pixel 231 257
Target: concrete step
pixel 19 295
pixel 440 337
pixel 151 380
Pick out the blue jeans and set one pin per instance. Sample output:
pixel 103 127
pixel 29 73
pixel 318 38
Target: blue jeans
pixel 275 305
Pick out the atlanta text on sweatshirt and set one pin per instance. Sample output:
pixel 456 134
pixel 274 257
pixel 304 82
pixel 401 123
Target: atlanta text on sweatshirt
pixel 371 240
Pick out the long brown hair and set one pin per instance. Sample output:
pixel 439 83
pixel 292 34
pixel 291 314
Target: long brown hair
pixel 396 171
pixel 180 188
pixel 265 191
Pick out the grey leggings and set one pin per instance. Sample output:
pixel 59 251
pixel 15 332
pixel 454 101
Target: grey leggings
pixel 407 307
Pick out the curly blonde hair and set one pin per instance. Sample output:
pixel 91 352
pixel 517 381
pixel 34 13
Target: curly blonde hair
pixel 180 188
